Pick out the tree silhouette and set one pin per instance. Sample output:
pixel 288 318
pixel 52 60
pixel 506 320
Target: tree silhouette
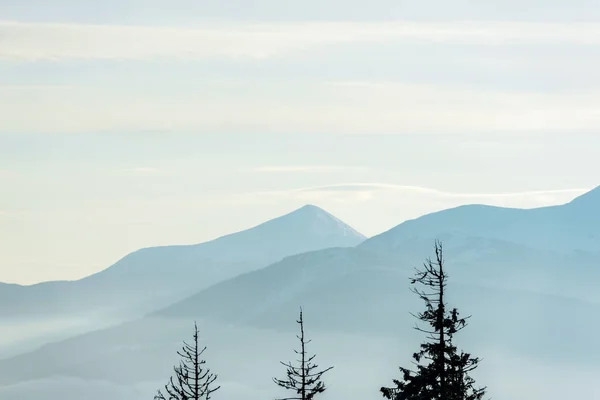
pixel 442 372
pixel 305 378
pixel 192 380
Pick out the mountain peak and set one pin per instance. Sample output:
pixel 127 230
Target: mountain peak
pixel 315 220
pixel 304 230
pixel 306 211
pixel 310 207
pixel 308 228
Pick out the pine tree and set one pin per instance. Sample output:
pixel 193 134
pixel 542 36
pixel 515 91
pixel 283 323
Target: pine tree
pixel 192 380
pixel 442 372
pixel 305 378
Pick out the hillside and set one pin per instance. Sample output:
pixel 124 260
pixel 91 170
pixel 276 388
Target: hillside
pixel 531 305
pixel 152 278
pixel 565 228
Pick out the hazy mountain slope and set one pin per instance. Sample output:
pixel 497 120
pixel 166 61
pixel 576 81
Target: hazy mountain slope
pixel 470 261
pixel 527 265
pixel 343 291
pixel 573 226
pixel 358 288
pixel 251 294
pixel 152 278
pixel 171 271
pixel 355 291
pixel 306 229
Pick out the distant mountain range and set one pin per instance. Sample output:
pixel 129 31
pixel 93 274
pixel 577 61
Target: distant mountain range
pixel 151 278
pixel 528 277
pixel 549 251
pixel 564 228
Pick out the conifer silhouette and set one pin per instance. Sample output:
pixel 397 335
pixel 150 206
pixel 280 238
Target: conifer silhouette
pixel 192 380
pixel 305 378
pixel 442 372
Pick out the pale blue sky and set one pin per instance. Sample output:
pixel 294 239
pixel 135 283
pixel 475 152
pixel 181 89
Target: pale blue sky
pixel 124 126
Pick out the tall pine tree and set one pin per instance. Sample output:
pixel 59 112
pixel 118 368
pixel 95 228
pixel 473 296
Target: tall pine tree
pixel 442 372
pixel 305 378
pixel 192 380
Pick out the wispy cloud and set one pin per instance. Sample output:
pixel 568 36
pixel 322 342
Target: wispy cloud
pixel 143 170
pixel 13 213
pixel 52 41
pixel 384 192
pixel 7 173
pixel 425 190
pixel 301 168
pixel 297 107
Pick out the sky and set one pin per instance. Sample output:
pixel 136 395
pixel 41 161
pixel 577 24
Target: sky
pixel 127 124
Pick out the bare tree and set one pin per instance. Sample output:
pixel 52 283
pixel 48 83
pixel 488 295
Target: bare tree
pixel 192 380
pixel 305 377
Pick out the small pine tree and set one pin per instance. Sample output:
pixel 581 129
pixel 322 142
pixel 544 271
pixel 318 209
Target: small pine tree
pixel 192 381
pixel 305 378
pixel 442 372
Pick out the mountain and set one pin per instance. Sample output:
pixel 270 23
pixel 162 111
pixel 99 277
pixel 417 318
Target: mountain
pixel 154 277
pixel 565 228
pixel 530 265
pixel 549 250
pixel 162 273
pixel 354 290
pixel 530 301
pixel 357 309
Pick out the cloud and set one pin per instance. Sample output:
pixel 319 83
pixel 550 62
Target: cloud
pixel 13 213
pixel 403 194
pixel 194 11
pixel 295 107
pixel 301 168
pixel 8 174
pixel 425 190
pixel 143 170
pixel 24 41
pixel 274 97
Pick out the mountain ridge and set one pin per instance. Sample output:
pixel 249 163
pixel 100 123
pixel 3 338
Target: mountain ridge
pixel 514 291
pixel 151 278
pixel 534 227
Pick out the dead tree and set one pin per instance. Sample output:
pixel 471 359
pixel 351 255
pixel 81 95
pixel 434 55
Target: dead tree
pixel 192 380
pixel 304 378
